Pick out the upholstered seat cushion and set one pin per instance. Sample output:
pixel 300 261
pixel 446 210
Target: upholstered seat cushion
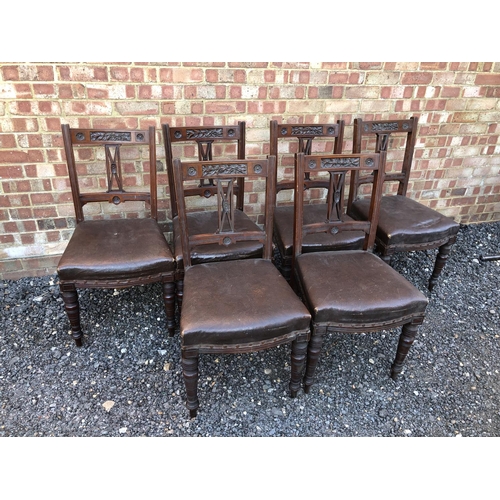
pixel 356 287
pixel 404 221
pixel 208 222
pixel 115 249
pixel 283 232
pixel 238 302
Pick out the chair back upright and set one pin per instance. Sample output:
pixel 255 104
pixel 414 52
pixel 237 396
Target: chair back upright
pixel 114 184
pixel 339 168
pixel 384 132
pixel 203 137
pixel 304 136
pixel 225 176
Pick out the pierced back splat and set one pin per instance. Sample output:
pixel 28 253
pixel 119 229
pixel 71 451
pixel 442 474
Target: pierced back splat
pixel 114 167
pixel 205 154
pixel 225 204
pixel 335 201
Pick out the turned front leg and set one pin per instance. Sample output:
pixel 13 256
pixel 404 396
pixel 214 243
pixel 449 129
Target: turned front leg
pixel 299 351
pixel 190 373
pixel 442 257
pixel 408 334
pixel 180 293
pixel 70 299
pixel 313 353
pixel 169 301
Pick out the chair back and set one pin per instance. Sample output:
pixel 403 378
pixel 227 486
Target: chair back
pixel 338 168
pixel 384 132
pixel 225 175
pixel 113 179
pixel 300 138
pixel 203 137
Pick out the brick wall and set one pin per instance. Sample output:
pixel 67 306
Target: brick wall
pixel 456 168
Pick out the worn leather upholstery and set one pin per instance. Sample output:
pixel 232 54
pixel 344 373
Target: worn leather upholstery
pixel 112 249
pixel 356 287
pixel 283 230
pixel 404 221
pixel 207 222
pixel 238 302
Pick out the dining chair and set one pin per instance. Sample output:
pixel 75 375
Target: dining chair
pixel 221 141
pixel 239 305
pixel 287 139
pixel 110 250
pixel 350 291
pixel 404 225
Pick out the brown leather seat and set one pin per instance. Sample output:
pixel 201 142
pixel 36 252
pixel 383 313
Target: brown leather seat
pixel 304 138
pixel 237 305
pixel 204 142
pixel 350 290
pixel 404 224
pixel 283 230
pixel 356 287
pixel 269 309
pixel 113 252
pixel 207 222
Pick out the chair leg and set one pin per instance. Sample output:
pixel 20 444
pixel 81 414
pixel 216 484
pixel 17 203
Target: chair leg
pixel 180 293
pixel 313 352
pixel 442 257
pixel 190 373
pixel 386 258
pixel 70 299
pixel 286 267
pixel 299 351
pixel 408 334
pixel 169 301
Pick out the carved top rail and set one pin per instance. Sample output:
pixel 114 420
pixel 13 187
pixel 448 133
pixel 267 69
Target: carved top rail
pixel 224 132
pixel 96 136
pixel 225 174
pixel 224 169
pixel 386 126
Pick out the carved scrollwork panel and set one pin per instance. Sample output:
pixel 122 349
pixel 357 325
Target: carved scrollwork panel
pixel 340 163
pixel 111 136
pixel 384 127
pixel 307 130
pixel 224 169
pixel 204 133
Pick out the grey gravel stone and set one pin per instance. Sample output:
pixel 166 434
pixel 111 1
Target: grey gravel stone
pixel 449 387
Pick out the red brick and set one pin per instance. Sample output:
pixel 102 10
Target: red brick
pixel 44 89
pixel 7 141
pixel 225 107
pixel 27 239
pixel 433 66
pixel 10 172
pixel 488 79
pixel 23 91
pixel 119 74
pixel 338 78
pixel 42 199
pixel 416 78
pixel 370 65
pixel 450 92
pixel 10 73
pixel 6 238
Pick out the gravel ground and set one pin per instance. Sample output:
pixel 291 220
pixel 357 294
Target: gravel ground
pixel 126 380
